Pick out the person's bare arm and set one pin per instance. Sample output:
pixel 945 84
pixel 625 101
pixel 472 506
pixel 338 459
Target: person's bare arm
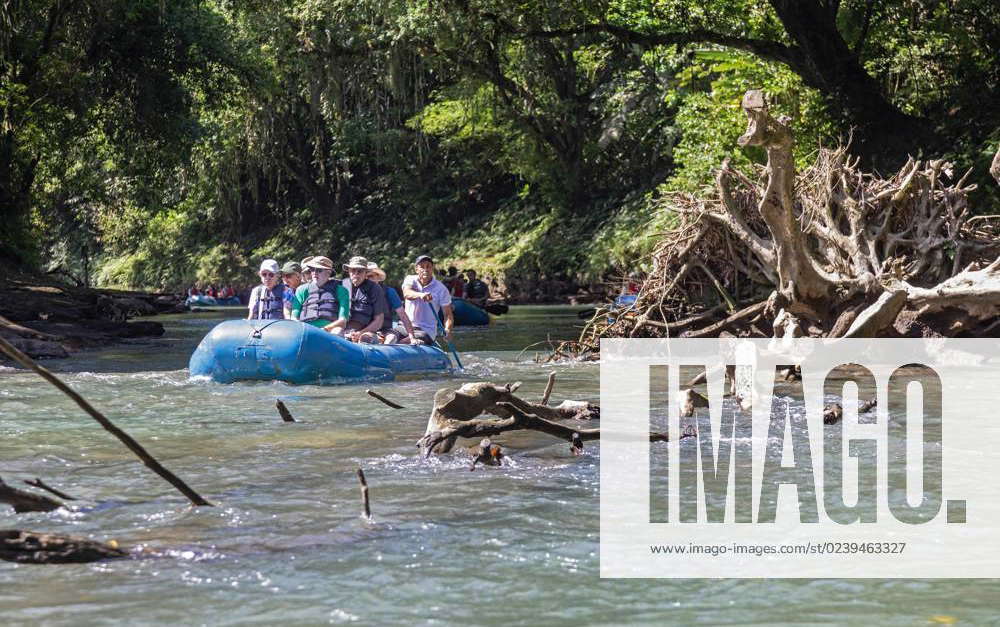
pixel 374 325
pixel 405 319
pixel 336 326
pixel 411 294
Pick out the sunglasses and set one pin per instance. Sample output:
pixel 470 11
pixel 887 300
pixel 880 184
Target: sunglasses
pixel 266 275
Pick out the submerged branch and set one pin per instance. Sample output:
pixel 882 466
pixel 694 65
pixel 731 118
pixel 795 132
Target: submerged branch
pixel 23 502
pixel 108 426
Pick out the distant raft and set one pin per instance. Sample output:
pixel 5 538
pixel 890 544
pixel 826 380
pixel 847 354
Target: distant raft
pixel 467 314
pixel 623 302
pixel 294 352
pixel 210 301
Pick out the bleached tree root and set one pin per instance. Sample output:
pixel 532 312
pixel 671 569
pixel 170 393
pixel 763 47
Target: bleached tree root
pixel 456 413
pixel 473 399
pixel 518 420
pixel 833 250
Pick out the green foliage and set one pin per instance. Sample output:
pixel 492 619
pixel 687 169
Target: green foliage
pixel 158 144
pixel 222 265
pixel 710 119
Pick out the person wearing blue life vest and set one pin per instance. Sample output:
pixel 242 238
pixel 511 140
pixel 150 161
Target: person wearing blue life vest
pixel 291 276
pixel 267 299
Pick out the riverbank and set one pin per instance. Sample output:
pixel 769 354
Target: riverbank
pixel 49 320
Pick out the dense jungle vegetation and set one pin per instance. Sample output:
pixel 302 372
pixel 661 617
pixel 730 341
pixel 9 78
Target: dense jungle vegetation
pixel 153 143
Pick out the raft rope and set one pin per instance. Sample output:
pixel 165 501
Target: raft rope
pixel 256 332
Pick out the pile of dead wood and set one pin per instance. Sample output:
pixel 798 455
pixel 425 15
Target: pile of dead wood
pixel 47 319
pixel 829 252
pixel 483 409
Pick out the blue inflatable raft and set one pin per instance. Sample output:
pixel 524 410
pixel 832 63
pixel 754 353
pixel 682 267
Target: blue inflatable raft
pixel 209 301
pixel 468 314
pixel 200 300
pixel 287 350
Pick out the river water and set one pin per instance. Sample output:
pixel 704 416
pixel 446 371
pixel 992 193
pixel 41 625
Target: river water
pixel 286 542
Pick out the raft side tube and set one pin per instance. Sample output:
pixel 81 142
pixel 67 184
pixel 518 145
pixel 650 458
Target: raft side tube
pixel 290 351
pixel 467 314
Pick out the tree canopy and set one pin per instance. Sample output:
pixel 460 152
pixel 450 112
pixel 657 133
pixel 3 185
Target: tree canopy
pixel 158 143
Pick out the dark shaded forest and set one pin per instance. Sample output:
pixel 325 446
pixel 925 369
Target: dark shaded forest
pixel 157 143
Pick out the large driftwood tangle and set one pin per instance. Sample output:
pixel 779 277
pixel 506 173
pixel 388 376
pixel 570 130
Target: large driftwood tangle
pixel 479 427
pixel 456 414
pixel 473 399
pixel 30 547
pixel 830 251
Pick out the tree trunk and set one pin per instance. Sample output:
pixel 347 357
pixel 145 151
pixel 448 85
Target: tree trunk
pixel 883 135
pixel 800 283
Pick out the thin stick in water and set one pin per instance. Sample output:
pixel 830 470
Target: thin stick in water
pixel 364 494
pixel 376 395
pixel 11 351
pixel 38 483
pixel 285 414
pixel 548 388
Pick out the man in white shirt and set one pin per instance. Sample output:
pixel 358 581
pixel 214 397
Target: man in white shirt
pixel 425 295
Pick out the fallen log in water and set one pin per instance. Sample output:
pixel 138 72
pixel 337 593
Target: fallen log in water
pixel 32 547
pixel 473 399
pixel 379 397
pixel 365 502
pixel 286 416
pixel 38 483
pixel 456 414
pixel 23 502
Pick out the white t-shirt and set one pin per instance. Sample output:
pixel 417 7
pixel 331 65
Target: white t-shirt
pixel 420 311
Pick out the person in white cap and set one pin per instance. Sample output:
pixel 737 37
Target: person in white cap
pixel 267 299
pixel 322 302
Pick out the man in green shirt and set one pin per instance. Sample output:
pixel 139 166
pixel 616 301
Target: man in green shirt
pixel 322 302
